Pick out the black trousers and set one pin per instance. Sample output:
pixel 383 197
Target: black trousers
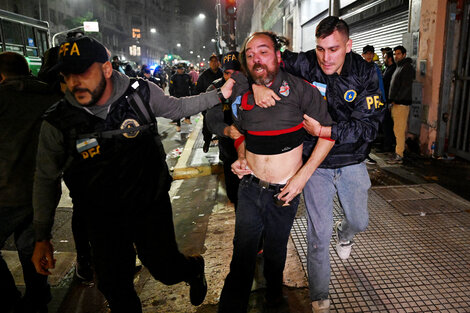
pixel 231 182
pixel 206 133
pixel 19 222
pixel 115 238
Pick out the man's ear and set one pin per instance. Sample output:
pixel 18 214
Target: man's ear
pixel 278 56
pixel 349 46
pixel 2 77
pixel 107 69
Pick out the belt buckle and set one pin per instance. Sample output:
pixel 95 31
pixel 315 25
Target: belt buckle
pixel 263 184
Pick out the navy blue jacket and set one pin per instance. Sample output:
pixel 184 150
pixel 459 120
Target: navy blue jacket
pixel 353 102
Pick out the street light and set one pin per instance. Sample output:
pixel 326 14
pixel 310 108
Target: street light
pixel 191 52
pixel 178 45
pixel 201 16
pixel 213 40
pixel 153 30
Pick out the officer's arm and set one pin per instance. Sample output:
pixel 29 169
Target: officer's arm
pixel 174 108
pixel 368 112
pixel 46 190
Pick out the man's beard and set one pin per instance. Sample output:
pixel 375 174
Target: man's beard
pixel 95 94
pixel 264 80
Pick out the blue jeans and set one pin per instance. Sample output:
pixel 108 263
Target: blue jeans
pixel 352 184
pixel 257 214
pixel 19 221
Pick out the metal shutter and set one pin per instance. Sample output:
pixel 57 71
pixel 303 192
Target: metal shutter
pixel 380 32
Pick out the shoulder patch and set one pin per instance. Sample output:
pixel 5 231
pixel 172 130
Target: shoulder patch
pixel 350 95
pixel 321 87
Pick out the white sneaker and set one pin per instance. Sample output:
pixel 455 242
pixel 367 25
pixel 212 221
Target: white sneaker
pixel 321 306
pixel 343 248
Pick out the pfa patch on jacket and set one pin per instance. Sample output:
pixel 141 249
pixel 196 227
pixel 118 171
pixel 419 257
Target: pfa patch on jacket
pixel 284 89
pixel 88 147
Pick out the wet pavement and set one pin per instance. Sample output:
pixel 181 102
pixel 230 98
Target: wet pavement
pixel 414 256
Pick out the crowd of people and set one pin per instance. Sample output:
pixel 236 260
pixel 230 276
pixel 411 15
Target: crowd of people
pixel 287 122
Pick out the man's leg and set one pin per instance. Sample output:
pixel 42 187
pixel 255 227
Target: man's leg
pixel 248 228
pixel 113 253
pixel 37 294
pixel 319 193
pixel 400 121
pixel 9 294
pixel 156 244
pixel 278 222
pixel 353 184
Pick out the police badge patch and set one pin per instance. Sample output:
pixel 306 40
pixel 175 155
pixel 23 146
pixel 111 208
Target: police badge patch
pixel 284 90
pixel 130 123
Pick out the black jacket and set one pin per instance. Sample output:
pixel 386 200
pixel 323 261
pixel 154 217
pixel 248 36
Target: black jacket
pixel 353 103
pixel 206 79
pixel 180 85
pixel 23 101
pixel 218 118
pixel 402 81
pixel 387 78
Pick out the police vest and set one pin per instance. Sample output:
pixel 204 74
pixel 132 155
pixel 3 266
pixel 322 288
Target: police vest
pixel 114 163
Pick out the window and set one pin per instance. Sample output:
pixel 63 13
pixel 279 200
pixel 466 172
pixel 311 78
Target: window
pixel 12 37
pixel 31 47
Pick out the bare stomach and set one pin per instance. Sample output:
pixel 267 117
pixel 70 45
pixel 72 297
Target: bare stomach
pixel 277 168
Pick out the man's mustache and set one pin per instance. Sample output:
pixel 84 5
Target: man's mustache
pixel 76 89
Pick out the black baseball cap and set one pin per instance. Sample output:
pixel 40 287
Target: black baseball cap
pixel 368 48
pixel 230 61
pixel 76 55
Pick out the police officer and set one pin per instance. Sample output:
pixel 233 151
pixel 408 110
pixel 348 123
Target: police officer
pixel 204 81
pixel 102 138
pixel 351 87
pixel 181 86
pixel 219 122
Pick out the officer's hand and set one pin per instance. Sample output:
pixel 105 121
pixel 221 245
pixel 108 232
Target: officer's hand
pixel 43 257
pixel 264 97
pixel 240 168
pixel 227 88
pixel 232 132
pixel 311 125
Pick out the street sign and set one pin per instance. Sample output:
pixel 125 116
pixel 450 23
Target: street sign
pixel 91 27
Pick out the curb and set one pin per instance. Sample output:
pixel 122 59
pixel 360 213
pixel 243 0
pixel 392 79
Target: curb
pixel 182 170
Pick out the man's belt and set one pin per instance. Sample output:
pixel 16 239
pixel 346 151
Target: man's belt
pixel 264 184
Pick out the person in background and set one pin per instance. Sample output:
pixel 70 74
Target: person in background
pixel 387 124
pixel 220 123
pixel 205 79
pixel 181 86
pixel 23 100
pixel 368 53
pixel 400 98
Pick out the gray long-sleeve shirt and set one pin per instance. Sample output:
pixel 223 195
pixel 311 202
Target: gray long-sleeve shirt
pixel 52 158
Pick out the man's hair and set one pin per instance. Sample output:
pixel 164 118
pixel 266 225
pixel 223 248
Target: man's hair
pixel 13 64
pixel 401 48
pixel 278 43
pixel 328 25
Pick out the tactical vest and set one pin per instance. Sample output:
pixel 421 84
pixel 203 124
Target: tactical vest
pixel 114 163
